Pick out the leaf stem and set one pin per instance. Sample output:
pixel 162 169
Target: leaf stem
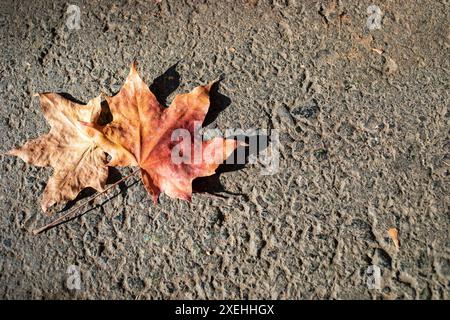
pixel 71 214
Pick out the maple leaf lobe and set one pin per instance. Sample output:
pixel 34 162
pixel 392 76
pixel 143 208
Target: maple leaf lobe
pixel 78 163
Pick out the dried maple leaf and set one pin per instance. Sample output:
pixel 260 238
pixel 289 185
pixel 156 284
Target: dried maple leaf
pixel 141 135
pixel 77 161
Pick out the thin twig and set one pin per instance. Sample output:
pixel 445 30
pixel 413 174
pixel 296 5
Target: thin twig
pixel 70 215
